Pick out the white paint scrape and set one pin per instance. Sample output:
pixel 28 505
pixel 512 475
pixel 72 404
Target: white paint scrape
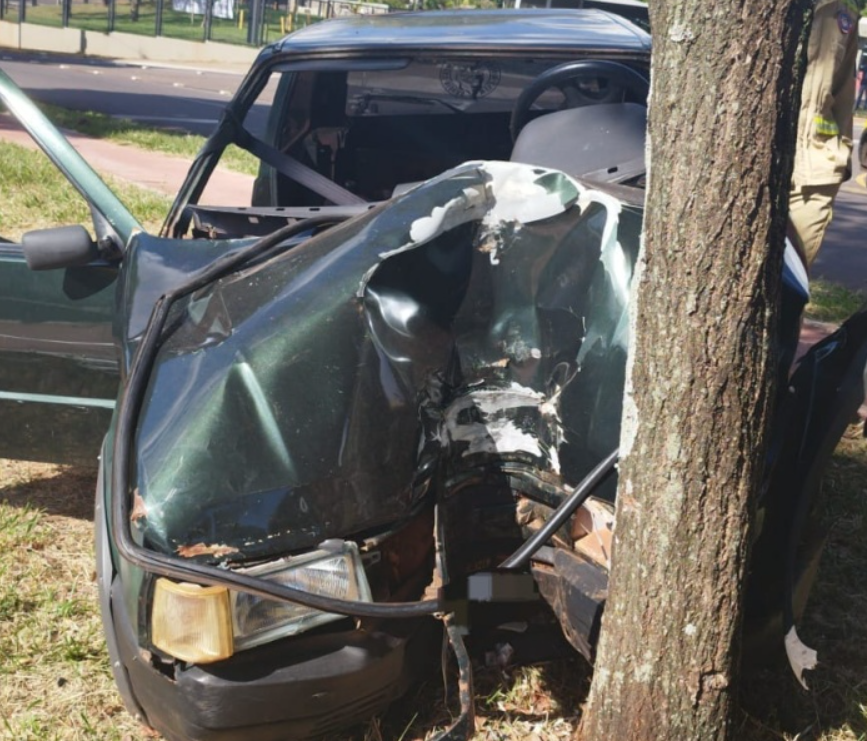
pixel 522 196
pixel 514 194
pixel 493 428
pixel 519 194
pixel 443 218
pixel 801 657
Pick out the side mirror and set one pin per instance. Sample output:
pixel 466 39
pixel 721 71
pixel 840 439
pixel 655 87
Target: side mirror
pixel 61 247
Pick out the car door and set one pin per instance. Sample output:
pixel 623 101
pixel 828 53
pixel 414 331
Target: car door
pixel 58 362
pixel 818 402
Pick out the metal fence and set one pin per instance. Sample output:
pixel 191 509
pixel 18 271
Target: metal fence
pixel 248 22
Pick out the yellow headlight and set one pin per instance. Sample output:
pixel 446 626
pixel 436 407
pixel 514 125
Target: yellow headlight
pixel 191 622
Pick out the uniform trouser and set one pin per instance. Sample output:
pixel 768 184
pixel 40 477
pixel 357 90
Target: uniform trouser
pixel 810 209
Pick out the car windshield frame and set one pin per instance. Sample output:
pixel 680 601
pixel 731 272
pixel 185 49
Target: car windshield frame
pixel 284 57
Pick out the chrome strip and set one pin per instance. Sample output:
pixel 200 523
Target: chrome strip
pixel 74 401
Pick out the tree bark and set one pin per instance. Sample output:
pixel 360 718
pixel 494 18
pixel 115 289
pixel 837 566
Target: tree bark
pixel 700 376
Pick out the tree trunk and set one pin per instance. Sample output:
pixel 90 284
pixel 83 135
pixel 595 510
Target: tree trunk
pixel 701 370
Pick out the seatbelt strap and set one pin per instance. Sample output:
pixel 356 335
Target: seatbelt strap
pixel 297 171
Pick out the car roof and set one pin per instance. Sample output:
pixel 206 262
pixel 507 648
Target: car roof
pixel 629 3
pixel 472 31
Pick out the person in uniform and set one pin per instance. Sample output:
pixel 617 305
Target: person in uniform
pixel 862 81
pixel 823 148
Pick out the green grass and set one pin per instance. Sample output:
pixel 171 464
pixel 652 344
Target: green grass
pixel 93 16
pixel 36 196
pixel 55 681
pixel 835 709
pixel 831 302
pixel 166 141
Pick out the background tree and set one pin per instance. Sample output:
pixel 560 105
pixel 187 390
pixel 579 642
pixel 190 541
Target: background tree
pixel 700 380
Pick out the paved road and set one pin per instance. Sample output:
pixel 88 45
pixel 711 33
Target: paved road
pixel 181 97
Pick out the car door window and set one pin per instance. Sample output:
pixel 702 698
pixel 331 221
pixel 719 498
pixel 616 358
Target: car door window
pixel 58 364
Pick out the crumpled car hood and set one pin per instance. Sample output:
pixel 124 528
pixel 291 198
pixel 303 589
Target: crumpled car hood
pixel 477 321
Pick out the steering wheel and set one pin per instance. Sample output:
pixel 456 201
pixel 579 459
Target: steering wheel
pixel 567 77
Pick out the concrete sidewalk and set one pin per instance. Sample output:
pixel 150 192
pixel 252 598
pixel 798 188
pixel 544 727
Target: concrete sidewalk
pixel 151 170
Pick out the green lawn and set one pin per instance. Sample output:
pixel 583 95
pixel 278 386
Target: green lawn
pixel 140 19
pixel 35 195
pixel 166 141
pixel 831 302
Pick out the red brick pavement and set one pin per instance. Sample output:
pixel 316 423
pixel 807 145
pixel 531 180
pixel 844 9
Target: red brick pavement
pixel 151 170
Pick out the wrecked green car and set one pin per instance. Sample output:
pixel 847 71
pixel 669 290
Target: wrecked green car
pixel 379 397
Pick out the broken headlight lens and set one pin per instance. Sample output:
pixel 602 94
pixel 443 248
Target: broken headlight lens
pixel 333 571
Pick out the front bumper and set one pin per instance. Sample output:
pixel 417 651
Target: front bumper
pixel 297 688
